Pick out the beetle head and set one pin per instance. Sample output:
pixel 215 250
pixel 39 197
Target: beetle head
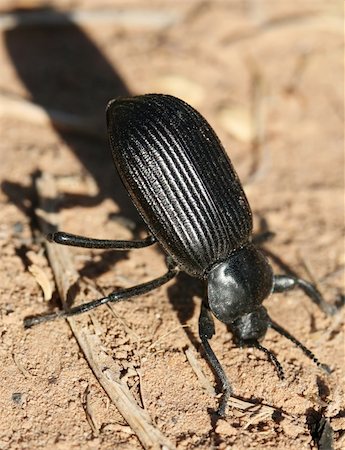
pixel 236 290
pixel 250 328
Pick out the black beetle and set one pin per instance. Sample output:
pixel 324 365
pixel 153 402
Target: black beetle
pixel 189 195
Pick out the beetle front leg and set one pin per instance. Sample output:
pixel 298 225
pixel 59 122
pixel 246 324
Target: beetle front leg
pixel 283 283
pixel 206 331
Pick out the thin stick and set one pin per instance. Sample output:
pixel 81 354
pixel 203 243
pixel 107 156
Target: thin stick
pixel 258 115
pixel 104 367
pixel 166 335
pixel 203 380
pixel 17 107
pixel 129 18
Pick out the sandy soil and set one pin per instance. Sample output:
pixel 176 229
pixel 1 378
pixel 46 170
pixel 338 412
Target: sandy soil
pixel 269 77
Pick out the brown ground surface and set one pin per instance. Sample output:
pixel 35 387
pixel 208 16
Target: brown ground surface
pixel 275 64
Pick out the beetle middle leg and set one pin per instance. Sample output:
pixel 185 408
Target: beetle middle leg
pixel 206 331
pixel 114 297
pixel 284 283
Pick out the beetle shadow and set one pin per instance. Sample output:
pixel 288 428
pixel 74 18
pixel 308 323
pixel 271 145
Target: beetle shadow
pixel 63 70
pixel 181 296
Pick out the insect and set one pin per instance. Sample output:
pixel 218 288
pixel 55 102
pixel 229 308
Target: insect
pixel 184 186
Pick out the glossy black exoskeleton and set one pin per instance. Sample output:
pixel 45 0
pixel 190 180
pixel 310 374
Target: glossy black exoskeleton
pixel 189 195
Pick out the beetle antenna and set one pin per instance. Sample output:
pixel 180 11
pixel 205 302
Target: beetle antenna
pixel 272 359
pixel 298 344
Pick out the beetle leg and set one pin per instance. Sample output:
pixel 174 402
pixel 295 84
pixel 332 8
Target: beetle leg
pixel 206 331
pixel 114 297
pixel 263 237
pixel 283 283
pixel 60 237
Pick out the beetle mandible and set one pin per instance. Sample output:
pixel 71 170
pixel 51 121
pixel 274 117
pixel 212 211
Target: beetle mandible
pixel 185 188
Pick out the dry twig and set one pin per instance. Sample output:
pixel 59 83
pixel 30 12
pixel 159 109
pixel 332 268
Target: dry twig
pixel 203 380
pixel 146 18
pixel 20 108
pixel 258 115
